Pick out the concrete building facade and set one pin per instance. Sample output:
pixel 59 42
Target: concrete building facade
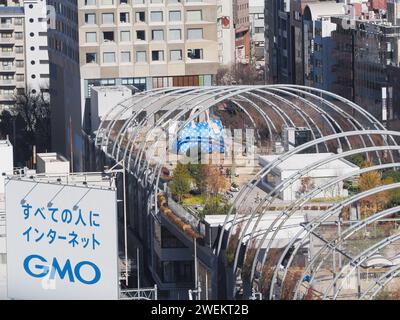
pixel 24 65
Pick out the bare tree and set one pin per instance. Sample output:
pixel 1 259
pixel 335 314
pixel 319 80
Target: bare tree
pixel 28 122
pixel 242 74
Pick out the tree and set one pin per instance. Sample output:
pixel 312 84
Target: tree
pixel 243 74
pixel 181 181
pixel 29 119
pixel 196 172
pixel 215 181
pixel 367 181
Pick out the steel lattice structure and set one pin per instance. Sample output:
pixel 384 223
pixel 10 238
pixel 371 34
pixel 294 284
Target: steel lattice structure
pixel 337 125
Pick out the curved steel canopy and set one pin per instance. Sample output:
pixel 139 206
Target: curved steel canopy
pixel 337 125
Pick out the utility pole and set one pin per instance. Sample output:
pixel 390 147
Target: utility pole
pixel 113 170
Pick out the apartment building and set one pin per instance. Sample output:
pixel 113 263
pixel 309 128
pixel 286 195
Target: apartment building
pixel 368 58
pixel 147 43
pixel 24 62
pixel 242 31
pixel 256 20
pixel 226 32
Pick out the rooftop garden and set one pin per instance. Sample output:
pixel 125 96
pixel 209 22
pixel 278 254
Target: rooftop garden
pixel 201 186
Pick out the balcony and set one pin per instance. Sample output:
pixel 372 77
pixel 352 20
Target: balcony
pixel 7 68
pixel 7 82
pixel 7 40
pixel 6 97
pixel 6 54
pixel 6 26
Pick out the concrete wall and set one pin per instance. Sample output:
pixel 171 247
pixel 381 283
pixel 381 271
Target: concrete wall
pixel 6 162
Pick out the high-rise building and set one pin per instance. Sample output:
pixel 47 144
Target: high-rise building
pixel 367 50
pixel 65 81
pixel 277 41
pixel 242 31
pixel 24 62
pixel 144 43
pixel 226 32
pixel 256 16
pixel 318 44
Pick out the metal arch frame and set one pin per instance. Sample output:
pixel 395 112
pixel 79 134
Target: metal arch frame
pixel 286 183
pixel 225 97
pixel 356 262
pixel 369 117
pixel 387 276
pixel 300 112
pixel 279 217
pixel 243 89
pixel 132 141
pixel 157 92
pixel 200 110
pixel 315 222
pixel 322 112
pixel 185 91
pixel 336 242
pixel 264 171
pixel 141 96
pixel 341 113
pixel 271 104
pixel 206 107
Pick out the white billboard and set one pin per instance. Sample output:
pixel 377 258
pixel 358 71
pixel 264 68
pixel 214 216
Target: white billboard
pixel 61 241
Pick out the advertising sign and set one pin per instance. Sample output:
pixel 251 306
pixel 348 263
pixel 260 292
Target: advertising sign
pixel 61 241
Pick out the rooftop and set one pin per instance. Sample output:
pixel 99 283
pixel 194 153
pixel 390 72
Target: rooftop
pixel 51 157
pixel 299 161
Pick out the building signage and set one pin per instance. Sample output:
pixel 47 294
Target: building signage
pixel 61 241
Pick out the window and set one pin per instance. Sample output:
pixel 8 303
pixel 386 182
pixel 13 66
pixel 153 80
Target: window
pixel 175 16
pixel 90 2
pixel 195 34
pixel 107 2
pixel 176 55
pixel 108 36
pixel 194 15
pixel 124 17
pixel 109 57
pixel 108 18
pixel 125 36
pixel 91 58
pixel 156 16
pixel 157 55
pixel 91 37
pixel 125 56
pixel 195 54
pixel 141 56
pixel 140 16
pixel 19 35
pixel 175 34
pixel 157 35
pixel 90 18
pixel 259 30
pixel 140 35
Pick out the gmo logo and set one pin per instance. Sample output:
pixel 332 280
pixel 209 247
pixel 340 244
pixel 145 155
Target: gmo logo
pixel 37 266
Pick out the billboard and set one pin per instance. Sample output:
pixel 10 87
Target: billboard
pixel 61 241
